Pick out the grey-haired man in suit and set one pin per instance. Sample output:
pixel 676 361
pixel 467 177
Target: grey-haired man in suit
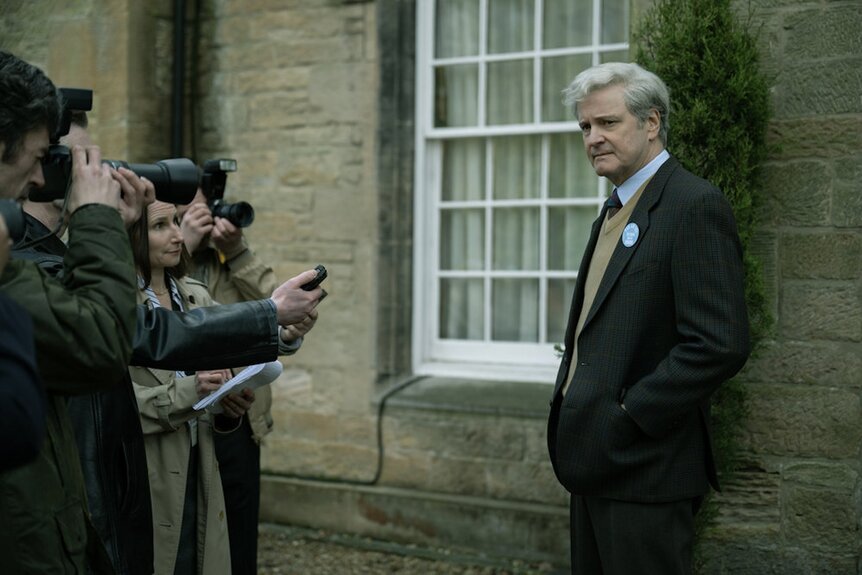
pixel 658 321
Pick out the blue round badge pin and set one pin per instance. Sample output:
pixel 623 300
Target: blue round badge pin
pixel 630 234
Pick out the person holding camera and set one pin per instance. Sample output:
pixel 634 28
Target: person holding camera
pixel 106 426
pixel 223 260
pixel 22 420
pixel 83 324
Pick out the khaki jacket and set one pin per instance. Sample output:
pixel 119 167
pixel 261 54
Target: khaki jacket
pixel 165 403
pixel 83 326
pixel 242 277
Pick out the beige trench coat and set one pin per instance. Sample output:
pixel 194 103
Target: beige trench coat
pixel 165 403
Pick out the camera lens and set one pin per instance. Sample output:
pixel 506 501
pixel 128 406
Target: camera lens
pixel 176 180
pixel 240 214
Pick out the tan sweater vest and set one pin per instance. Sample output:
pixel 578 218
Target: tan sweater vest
pixel 609 237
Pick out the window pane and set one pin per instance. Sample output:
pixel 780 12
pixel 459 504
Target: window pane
pixel 457 28
pixel 615 21
pixel 456 95
pixel 559 297
pixel 510 26
pixel 614 56
pixel 462 309
pixel 463 170
pixel 570 174
pixel 557 73
pixel 462 239
pixel 517 167
pixel 568 233
pixel 515 315
pixel 510 92
pixel 516 239
pixel 567 23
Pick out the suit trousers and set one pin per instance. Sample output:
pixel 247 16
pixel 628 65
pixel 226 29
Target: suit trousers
pixel 611 537
pixel 239 466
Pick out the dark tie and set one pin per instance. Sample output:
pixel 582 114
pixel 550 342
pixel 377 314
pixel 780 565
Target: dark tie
pixel 614 204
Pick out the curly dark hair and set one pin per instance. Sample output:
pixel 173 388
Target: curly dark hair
pixel 28 101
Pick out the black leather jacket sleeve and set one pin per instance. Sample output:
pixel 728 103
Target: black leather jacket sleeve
pixel 213 337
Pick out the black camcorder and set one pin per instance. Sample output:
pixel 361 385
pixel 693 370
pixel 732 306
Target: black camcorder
pixel 176 180
pixel 213 181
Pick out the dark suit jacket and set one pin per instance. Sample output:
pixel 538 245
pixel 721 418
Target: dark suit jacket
pixel 667 327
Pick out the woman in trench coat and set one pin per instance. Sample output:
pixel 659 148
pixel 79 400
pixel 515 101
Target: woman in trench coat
pixel 189 524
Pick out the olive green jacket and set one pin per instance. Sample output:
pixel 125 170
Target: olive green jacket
pixel 83 327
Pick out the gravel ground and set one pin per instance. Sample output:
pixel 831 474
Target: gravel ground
pixel 295 551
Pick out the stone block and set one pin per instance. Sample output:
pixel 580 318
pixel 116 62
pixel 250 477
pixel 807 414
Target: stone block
pixel 819 88
pixel 307 22
pixel 815 474
pixel 519 481
pixel 847 193
pixel 820 519
pixel 796 194
pixel 453 436
pixel 282 110
pixel 750 498
pixel 462 476
pixel 406 469
pixel 830 364
pixel 294 79
pixel 789 420
pixel 815 137
pixel 819 310
pixel 339 89
pixel 288 456
pixel 824 32
pixel 821 255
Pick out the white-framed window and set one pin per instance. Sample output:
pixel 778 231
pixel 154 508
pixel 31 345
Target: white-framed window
pixel 505 195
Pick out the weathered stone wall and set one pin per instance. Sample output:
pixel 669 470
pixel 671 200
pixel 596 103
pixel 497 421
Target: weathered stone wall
pixel 797 508
pixel 289 90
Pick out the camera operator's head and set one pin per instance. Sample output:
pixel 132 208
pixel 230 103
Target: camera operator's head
pixel 49 213
pixel 29 115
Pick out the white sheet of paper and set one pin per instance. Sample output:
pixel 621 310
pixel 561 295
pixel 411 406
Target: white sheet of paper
pixel 251 377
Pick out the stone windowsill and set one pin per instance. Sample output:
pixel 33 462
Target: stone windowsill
pixel 446 394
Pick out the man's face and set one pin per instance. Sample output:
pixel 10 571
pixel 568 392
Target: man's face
pixel 24 172
pixel 617 144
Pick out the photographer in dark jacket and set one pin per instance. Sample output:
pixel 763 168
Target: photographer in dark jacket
pixel 107 425
pixel 83 327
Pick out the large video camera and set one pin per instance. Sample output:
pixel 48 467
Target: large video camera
pixel 176 180
pixel 213 181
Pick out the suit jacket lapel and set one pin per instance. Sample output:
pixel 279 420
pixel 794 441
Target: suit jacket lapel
pixel 578 295
pixel 640 217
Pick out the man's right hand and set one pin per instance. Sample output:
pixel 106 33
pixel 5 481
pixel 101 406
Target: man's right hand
pixel 137 193
pixel 196 224
pixel 92 182
pixel 293 304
